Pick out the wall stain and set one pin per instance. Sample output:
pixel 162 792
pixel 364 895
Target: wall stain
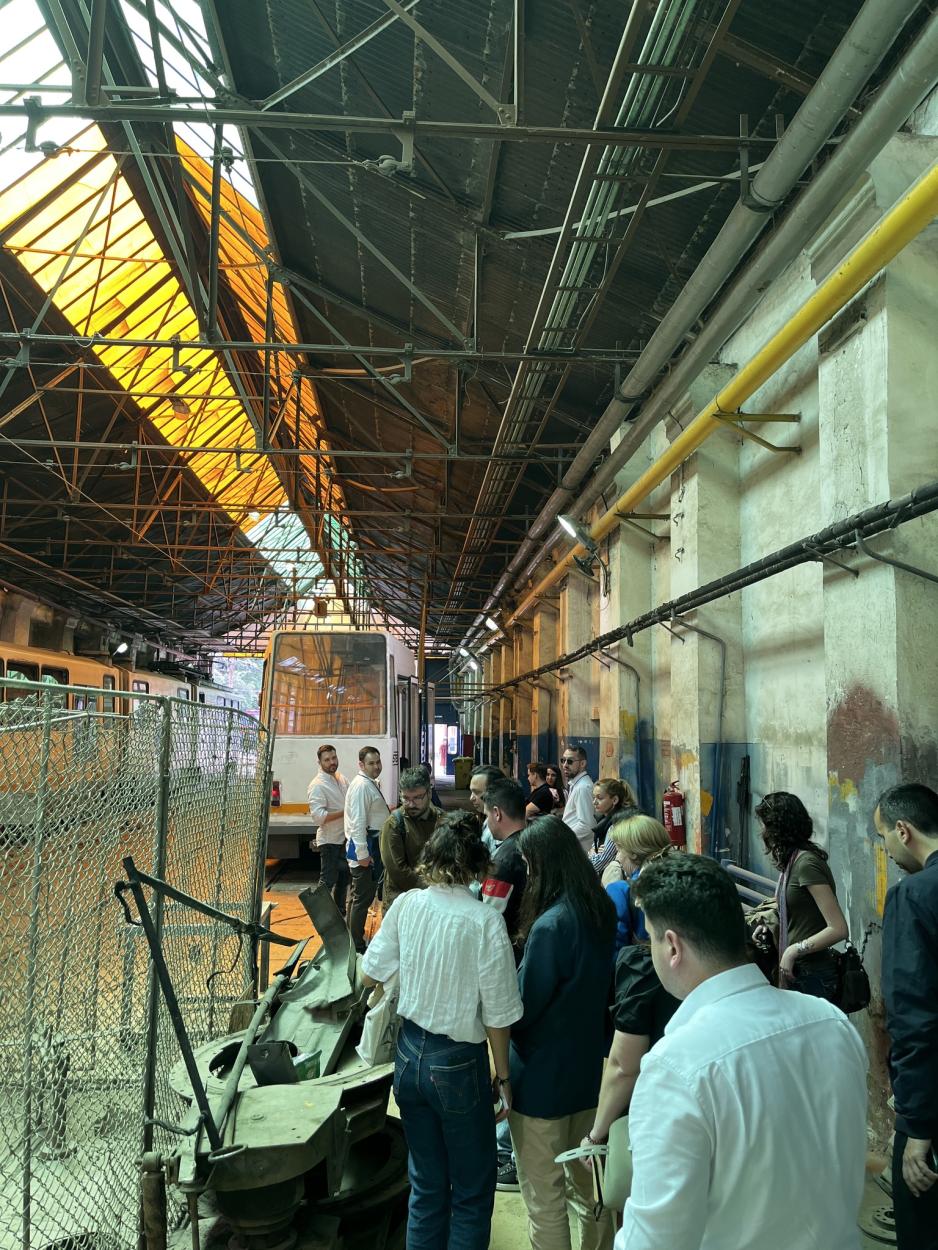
pixel 861 730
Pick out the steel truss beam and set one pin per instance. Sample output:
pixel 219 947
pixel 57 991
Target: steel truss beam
pixel 402 353
pixel 34 112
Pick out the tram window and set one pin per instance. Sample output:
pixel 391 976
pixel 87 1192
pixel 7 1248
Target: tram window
pixel 109 683
pixel 56 677
pixel 20 671
pixel 140 687
pixel 85 702
pixel 182 692
pixel 330 684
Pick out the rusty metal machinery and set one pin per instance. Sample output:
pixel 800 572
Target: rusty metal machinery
pixel 284 1141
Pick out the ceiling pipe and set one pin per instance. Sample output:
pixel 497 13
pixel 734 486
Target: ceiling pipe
pixel 906 219
pixel 908 85
pixel 856 57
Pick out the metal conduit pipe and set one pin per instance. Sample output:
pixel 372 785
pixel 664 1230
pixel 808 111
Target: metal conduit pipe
pixel 841 534
pixel 870 35
pixel 906 219
pixel 910 82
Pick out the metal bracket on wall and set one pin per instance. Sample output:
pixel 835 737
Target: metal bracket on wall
pixel 628 518
pixel 822 555
pixel 896 564
pixel 734 421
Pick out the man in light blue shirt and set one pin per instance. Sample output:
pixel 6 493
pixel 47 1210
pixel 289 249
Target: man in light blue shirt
pixel 748 1119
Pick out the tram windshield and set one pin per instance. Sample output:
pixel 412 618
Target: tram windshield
pixel 330 685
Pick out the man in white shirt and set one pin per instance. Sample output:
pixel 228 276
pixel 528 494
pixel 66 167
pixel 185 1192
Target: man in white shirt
pixel 366 810
pixel 748 1119
pixel 326 798
pixel 578 810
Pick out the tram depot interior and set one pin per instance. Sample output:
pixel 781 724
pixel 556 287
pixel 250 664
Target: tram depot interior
pixel 472 379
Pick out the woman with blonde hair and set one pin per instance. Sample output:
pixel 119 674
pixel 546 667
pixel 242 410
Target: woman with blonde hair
pixel 612 800
pixel 638 839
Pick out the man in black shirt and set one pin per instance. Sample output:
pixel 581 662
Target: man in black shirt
pixel 541 798
pixel 503 888
pixel 906 818
pixel 504 885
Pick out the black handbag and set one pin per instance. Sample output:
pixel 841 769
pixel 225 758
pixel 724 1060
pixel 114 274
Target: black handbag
pixel 853 985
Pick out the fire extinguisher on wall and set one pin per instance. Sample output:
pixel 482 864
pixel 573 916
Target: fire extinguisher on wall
pixel 672 809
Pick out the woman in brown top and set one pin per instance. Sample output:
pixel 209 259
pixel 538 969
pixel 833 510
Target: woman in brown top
pixel 810 918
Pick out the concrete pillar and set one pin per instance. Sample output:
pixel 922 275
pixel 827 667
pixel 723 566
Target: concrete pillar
pixel 492 671
pixel 577 727
pixel 506 739
pixel 877 377
pixel 625 703
pixel 523 646
pixel 545 695
pixel 706 673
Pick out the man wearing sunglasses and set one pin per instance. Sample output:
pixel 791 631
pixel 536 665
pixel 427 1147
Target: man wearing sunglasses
pixel 578 810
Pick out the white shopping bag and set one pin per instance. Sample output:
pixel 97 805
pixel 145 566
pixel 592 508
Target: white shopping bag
pixel 379 1032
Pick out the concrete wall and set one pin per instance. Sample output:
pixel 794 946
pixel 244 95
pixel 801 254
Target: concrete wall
pixel 828 672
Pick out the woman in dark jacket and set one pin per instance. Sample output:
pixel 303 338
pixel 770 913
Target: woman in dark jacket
pixel 558 1046
pixel 811 921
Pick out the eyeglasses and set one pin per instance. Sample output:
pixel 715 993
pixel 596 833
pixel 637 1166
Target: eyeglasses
pixel 415 796
pixel 570 759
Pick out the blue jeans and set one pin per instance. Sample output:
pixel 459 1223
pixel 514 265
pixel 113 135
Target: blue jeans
pixel 443 1091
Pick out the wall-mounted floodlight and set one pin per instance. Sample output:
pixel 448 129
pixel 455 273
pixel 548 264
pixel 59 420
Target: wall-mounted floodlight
pixel 464 653
pixel 121 648
pixel 579 532
pixel 492 624
pixel 586 540
pixel 474 665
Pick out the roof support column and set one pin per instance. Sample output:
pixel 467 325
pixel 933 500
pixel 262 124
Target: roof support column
pixel 705 650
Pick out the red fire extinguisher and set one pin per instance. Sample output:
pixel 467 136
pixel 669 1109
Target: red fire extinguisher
pixel 672 805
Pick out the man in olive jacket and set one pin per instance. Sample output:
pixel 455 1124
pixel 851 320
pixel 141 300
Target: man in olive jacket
pixel 405 833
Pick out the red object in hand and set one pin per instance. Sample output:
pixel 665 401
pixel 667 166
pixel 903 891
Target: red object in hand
pixel 672 808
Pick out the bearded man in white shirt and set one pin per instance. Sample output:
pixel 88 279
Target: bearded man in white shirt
pixel 578 812
pixel 366 810
pixel 326 798
pixel 748 1119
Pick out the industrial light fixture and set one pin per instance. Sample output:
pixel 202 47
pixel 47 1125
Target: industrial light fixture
pixel 492 624
pixel 474 665
pixel 586 540
pixel 121 648
pixel 464 653
pixel 579 532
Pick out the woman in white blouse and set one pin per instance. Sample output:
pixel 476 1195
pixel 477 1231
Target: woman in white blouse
pixel 458 986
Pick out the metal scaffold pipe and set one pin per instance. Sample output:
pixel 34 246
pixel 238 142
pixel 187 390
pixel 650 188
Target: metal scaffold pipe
pixel 904 221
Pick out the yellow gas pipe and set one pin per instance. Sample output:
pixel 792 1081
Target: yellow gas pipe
pixel 906 219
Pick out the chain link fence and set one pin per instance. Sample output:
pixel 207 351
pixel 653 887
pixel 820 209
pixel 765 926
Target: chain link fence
pixel 86 779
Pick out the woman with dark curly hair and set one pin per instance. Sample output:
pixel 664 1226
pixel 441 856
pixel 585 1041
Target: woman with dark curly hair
pixel 458 987
pixel 810 918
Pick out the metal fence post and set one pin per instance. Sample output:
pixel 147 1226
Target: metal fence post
pixel 32 960
pixel 216 898
pixel 159 870
pixel 260 862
